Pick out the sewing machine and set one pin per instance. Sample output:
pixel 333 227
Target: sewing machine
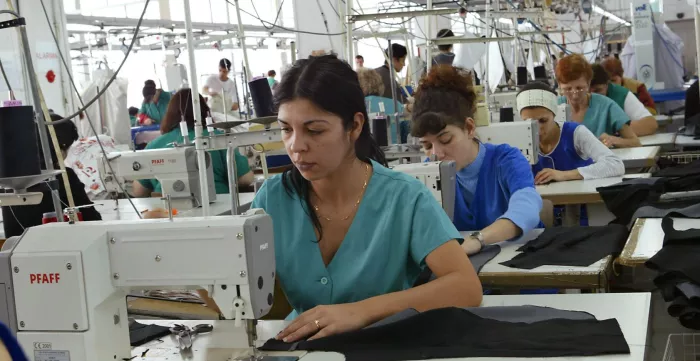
pixel 175 168
pixel 66 284
pixel 523 135
pixel 439 177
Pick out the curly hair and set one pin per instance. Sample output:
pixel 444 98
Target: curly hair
pixel 444 97
pixel 613 66
pixel 572 67
pixel 370 82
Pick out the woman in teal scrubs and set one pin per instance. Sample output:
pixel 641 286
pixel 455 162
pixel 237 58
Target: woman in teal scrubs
pixel 170 130
pixel 155 104
pixel 352 236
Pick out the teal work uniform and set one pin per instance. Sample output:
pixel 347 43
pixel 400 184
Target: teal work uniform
pixel 218 158
pixel 398 223
pixel 156 111
pixel 603 115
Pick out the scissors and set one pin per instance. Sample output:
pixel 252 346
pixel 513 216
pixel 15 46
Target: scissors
pixel 185 334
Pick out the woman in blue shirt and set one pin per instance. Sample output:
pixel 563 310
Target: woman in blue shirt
pixel 352 236
pixel 496 197
pixel 600 114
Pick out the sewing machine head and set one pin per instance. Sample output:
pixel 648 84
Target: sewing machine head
pixel 175 168
pixel 66 284
pixel 439 177
pixel 523 135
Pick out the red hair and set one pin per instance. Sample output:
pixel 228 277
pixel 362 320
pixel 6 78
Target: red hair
pixel 572 67
pixel 613 66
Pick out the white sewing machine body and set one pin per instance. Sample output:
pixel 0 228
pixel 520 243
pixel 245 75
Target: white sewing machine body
pixel 439 177
pixel 175 168
pixel 523 135
pixel 69 281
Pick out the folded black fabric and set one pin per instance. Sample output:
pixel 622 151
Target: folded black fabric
pixel 140 334
pixel 678 267
pixel 452 333
pixel 681 170
pixel 625 198
pixel 570 246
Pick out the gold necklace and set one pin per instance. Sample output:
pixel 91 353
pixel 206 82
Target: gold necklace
pixel 364 186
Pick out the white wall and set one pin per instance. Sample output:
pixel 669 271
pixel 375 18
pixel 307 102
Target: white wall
pixel 45 55
pixel 307 15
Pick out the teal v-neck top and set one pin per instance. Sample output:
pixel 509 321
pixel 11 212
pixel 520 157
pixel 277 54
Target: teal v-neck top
pixel 397 224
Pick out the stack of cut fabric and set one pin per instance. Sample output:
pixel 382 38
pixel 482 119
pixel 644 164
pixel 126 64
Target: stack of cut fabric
pixel 523 331
pixel 570 246
pixel 678 265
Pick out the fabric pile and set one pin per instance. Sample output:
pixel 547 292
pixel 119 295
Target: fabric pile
pixel 477 260
pixel 523 331
pixel 570 246
pixel 625 198
pixel 679 272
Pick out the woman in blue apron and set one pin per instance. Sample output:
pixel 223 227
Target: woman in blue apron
pixel 496 198
pixel 568 150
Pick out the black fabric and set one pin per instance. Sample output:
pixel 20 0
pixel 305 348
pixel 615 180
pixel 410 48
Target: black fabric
pixel 680 170
pixel 452 333
pixel 16 219
pixel 690 208
pixel 678 267
pixel 625 198
pixel 477 260
pixel 570 246
pixel 140 334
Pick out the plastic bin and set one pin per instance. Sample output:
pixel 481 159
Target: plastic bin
pixel 682 347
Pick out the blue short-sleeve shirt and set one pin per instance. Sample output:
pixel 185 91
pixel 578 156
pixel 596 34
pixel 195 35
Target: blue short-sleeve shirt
pixel 397 225
pixel 603 115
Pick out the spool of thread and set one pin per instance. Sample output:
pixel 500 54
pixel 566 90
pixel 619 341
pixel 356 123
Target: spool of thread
pixel 262 97
pixel 506 115
pixel 380 131
pixel 19 145
pixel 522 76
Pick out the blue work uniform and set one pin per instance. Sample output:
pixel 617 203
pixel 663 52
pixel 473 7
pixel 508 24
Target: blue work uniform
pixel 497 184
pixel 397 225
pixel 564 157
pixel 603 115
pixel 218 158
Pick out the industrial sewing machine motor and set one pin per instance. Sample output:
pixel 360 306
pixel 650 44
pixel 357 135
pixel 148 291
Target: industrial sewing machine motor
pixel 65 285
pixel 175 168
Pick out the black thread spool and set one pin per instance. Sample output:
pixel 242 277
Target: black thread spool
pixel 380 131
pixel 19 146
pixel 506 115
pixel 522 76
pixel 262 97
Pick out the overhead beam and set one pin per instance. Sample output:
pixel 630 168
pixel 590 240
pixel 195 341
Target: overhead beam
pixel 101 21
pixel 460 40
pixel 401 14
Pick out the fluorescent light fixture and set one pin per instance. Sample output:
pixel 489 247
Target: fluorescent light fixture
pixel 610 16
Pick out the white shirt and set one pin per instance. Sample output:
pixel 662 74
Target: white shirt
pixel 605 163
pixel 634 108
pixel 215 85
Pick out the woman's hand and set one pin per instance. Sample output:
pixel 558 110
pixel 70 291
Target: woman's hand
pixel 471 246
pixel 550 175
pixel 322 321
pixel 148 121
pixel 609 140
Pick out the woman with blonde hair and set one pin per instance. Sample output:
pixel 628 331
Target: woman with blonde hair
pixel 372 87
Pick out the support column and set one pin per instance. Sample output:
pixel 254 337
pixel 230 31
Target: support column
pixel 307 17
pixel 164 8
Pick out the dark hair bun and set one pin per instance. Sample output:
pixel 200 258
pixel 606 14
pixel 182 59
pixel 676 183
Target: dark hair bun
pixel 149 84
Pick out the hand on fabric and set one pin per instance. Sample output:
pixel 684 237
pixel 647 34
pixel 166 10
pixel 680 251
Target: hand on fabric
pixel 550 175
pixel 609 140
pixel 471 246
pixel 148 121
pixel 322 321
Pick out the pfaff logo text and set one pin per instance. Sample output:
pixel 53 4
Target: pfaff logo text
pixel 157 161
pixel 44 278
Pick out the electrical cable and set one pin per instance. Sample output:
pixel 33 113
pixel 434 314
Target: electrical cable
pixel 7 81
pixel 114 76
pixel 77 92
pixel 282 27
pixel 325 23
pixel 274 23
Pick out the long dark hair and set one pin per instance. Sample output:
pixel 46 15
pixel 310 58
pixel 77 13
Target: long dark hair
pixel 182 101
pixel 331 85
